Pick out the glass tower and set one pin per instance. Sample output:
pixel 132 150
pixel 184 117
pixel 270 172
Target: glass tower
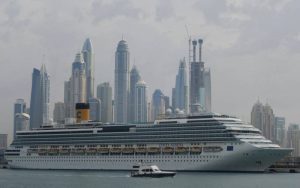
pixel 122 83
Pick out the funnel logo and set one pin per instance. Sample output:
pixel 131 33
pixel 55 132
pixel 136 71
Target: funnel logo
pixel 78 114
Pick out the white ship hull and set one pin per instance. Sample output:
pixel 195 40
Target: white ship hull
pixel 244 158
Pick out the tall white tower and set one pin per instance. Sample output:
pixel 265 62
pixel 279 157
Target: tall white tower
pixel 141 102
pixel 88 58
pixel 78 83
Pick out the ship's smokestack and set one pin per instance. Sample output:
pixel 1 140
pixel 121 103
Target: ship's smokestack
pixel 200 41
pixel 82 112
pixel 194 50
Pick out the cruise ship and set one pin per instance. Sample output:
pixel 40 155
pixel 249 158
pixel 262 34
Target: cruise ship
pixel 208 142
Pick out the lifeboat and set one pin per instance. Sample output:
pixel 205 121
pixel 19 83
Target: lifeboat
pixel 181 150
pixel 140 150
pixel 53 152
pixel 64 151
pixel 115 150
pixel 153 150
pixel 42 151
pixel 78 151
pixel 195 150
pixel 91 151
pixel 213 149
pixel 168 150
pixel 103 150
pixel 128 151
pixel 30 151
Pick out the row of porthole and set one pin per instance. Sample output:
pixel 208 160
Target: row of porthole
pixel 182 157
pixel 114 161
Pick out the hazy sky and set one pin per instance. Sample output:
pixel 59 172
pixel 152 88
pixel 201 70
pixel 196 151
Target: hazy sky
pixel 251 46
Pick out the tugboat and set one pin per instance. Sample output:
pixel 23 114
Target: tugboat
pixel 150 171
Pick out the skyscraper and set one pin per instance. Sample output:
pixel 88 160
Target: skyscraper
pixel 45 87
pixel 35 101
pixel 280 130
pixel 88 57
pixel 181 88
pixel 197 87
pixel 67 101
pixel 59 113
pixel 104 93
pixel 269 123
pixel 173 98
pixel 293 137
pixel 141 108
pixel 95 109
pixel 262 117
pixel 158 105
pixel 207 86
pixel 134 78
pixel 19 108
pixel 3 141
pixel 22 122
pixel 167 102
pixel 257 114
pixel 122 84
pixel 40 98
pixel 77 83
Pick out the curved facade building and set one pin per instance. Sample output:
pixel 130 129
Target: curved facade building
pixel 40 98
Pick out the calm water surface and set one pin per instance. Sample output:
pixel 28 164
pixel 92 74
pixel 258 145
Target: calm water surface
pixel 101 179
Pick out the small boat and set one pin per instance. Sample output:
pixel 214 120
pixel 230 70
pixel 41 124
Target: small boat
pixel 150 171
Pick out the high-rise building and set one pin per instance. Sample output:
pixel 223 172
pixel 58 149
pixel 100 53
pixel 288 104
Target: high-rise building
pixel 257 114
pixel 59 113
pixel 22 122
pixel 88 57
pixel 197 87
pixel 173 98
pixel 95 109
pixel 280 130
pixel 293 139
pixel 158 105
pixel 67 101
pixel 134 79
pixel 3 141
pixel 262 117
pixel 122 84
pixel 35 101
pixel 104 93
pixel 167 102
pixel 77 84
pixel 141 108
pixel 207 86
pixel 149 112
pixel 40 98
pixel 269 123
pixel 181 88
pixel 19 108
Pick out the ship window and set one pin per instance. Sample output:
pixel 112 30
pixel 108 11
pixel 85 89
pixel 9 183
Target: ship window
pixel 229 148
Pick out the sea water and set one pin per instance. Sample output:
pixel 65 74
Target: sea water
pixel 10 178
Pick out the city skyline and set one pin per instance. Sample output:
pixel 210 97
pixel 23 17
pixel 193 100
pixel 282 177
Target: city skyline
pixel 262 63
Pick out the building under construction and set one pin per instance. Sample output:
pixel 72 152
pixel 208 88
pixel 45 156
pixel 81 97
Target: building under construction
pixel 200 82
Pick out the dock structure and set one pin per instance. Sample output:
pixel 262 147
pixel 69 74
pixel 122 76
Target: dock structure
pixel 288 164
